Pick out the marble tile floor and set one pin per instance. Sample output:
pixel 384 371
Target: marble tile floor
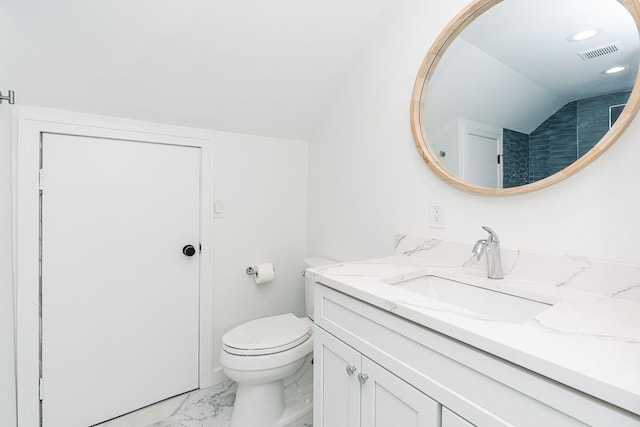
pixel 210 407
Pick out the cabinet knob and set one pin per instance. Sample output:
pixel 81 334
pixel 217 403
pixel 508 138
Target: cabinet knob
pixel 351 369
pixel 363 378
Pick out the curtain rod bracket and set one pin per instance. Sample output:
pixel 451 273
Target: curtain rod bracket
pixel 10 97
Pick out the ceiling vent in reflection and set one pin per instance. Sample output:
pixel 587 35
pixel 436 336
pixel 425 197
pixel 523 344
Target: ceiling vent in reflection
pixel 598 52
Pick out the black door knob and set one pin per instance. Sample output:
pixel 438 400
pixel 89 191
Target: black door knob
pixel 189 250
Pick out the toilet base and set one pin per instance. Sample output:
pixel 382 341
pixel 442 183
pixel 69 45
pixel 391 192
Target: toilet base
pixel 258 404
pixel 264 405
pixel 276 403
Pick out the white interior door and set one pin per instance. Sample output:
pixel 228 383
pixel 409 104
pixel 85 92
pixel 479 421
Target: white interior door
pixel 480 160
pixel 119 298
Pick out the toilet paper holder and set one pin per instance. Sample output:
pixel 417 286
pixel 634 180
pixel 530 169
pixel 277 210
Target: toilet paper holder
pixel 251 271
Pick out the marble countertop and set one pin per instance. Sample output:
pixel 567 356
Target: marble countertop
pixel 588 338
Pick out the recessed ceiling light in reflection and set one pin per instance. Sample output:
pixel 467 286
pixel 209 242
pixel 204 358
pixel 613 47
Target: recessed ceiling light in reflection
pixel 583 35
pixel 614 70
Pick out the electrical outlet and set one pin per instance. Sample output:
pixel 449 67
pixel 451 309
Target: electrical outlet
pixel 436 215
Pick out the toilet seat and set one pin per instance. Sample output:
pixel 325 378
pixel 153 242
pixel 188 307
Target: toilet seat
pixel 267 335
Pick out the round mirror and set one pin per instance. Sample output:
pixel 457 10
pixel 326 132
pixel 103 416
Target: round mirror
pixel 517 95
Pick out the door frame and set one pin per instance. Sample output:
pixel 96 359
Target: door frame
pixel 28 125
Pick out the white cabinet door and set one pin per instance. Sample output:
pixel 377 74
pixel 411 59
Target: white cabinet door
pixel 388 401
pixel 120 300
pixel 353 391
pixel 449 419
pixel 336 387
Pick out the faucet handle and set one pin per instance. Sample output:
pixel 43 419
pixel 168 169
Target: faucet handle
pixel 478 249
pixel 493 236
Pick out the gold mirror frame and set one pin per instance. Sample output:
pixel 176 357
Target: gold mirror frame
pixel 429 64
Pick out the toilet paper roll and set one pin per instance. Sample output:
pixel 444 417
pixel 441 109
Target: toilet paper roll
pixel 265 273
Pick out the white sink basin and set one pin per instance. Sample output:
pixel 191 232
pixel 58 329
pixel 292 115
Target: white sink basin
pixel 487 302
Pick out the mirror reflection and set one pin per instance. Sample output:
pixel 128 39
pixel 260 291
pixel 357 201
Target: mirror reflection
pixel 529 87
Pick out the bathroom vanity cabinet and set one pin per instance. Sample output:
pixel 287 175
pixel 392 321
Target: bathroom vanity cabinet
pixel 357 391
pixel 374 368
pixel 377 398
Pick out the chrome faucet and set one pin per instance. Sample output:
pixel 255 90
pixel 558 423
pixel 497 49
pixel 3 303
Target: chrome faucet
pixel 490 246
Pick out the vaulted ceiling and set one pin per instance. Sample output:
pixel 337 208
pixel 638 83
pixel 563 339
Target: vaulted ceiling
pixel 251 66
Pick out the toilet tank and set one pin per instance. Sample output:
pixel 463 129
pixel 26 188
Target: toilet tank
pixel 312 262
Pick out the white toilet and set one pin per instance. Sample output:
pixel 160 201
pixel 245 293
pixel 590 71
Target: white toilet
pixel 270 359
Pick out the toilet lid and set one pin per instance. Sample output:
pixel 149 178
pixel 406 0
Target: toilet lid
pixel 267 335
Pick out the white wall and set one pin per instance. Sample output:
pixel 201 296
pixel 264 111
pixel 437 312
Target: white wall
pixel 368 182
pixel 263 184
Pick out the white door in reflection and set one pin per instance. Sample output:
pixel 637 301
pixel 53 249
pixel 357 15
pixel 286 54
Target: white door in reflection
pixel 482 158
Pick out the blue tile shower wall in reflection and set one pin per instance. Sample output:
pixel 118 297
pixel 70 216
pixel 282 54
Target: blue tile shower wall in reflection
pixel 593 118
pixel 515 147
pixel 559 141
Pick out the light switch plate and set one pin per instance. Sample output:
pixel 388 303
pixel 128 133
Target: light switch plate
pixel 218 209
